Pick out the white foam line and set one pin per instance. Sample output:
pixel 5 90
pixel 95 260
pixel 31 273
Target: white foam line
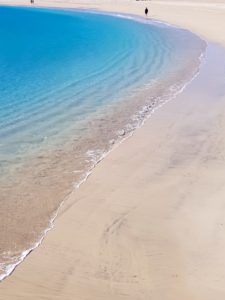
pixel 11 267
pixel 147 115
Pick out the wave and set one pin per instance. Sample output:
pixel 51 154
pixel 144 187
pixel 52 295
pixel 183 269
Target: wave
pixel 96 156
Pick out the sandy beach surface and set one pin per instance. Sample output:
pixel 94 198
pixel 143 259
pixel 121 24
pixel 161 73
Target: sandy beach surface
pixel 149 223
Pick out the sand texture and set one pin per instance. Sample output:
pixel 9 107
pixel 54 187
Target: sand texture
pixel 149 223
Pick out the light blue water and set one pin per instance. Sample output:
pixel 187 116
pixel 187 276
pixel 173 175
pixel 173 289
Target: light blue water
pixel 59 72
pixel 58 67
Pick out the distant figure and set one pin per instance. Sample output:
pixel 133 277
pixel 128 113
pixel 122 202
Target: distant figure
pixel 146 11
pixel 32 1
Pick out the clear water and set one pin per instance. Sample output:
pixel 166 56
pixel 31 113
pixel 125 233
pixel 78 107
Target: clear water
pixel 69 80
pixel 58 67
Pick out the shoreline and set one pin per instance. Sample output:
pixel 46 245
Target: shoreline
pixel 143 115
pixel 64 209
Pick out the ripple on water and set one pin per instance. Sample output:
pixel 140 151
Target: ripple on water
pixel 67 99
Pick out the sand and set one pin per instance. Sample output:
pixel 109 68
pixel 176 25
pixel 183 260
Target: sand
pixel 149 223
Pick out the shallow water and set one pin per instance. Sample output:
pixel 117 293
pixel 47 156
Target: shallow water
pixel 72 85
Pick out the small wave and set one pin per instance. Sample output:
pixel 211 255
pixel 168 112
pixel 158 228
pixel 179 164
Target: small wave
pixel 96 156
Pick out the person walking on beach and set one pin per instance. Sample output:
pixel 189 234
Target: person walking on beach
pixel 32 1
pixel 146 11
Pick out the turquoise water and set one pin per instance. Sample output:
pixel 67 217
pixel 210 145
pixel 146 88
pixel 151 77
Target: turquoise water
pixel 59 67
pixel 70 81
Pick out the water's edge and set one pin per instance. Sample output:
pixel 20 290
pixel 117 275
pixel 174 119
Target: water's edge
pixel 142 116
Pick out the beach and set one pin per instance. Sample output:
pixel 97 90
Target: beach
pixel 149 221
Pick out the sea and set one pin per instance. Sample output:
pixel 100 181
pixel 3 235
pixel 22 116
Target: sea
pixel 73 85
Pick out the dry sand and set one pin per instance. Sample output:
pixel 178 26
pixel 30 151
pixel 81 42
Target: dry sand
pixel 150 221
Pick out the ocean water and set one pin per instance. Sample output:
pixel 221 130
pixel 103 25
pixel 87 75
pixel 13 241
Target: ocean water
pixel 72 85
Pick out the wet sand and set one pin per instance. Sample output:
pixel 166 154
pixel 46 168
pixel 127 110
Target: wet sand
pixel 149 222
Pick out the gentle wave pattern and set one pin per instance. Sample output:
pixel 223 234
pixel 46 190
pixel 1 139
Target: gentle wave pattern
pixel 71 84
